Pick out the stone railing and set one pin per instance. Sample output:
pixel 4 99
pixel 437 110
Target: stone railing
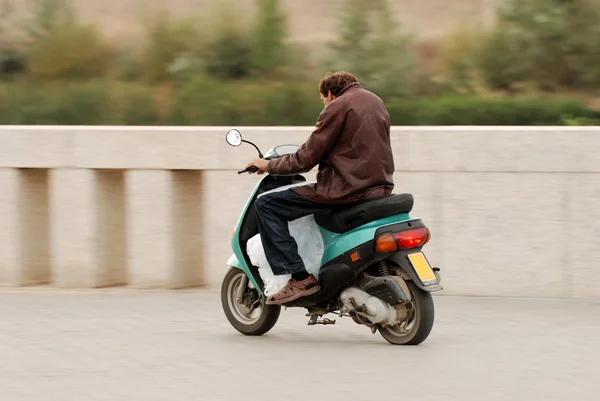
pixel 514 211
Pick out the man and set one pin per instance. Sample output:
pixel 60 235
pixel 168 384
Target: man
pixel 351 145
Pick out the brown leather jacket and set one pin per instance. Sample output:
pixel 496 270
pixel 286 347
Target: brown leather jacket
pixel 351 144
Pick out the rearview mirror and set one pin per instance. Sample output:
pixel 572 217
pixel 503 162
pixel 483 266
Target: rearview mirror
pixel 234 137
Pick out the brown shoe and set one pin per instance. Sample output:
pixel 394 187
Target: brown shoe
pixel 294 290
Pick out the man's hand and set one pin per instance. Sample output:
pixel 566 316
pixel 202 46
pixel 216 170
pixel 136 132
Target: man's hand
pixel 261 164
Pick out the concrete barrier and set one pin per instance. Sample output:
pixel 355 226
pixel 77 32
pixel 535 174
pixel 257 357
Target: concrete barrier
pixel 514 211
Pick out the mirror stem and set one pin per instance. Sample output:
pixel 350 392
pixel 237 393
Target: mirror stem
pixel 259 153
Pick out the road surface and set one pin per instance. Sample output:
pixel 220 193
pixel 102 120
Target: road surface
pixel 134 345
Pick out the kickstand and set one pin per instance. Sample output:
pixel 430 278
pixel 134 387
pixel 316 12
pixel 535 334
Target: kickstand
pixel 315 320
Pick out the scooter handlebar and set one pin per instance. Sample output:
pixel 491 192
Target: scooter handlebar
pixel 251 169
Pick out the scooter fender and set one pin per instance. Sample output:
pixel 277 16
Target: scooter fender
pixel 401 259
pixel 234 262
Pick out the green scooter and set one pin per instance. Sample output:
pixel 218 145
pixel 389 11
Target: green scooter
pixel 372 270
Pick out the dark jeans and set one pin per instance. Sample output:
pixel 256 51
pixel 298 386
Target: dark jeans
pixel 274 211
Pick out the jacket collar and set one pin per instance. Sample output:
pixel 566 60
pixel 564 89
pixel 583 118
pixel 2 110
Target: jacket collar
pixel 345 88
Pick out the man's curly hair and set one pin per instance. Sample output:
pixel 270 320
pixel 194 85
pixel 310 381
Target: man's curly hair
pixel 335 82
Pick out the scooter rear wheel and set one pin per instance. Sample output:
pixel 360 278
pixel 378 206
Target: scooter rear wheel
pixel 419 323
pixel 251 317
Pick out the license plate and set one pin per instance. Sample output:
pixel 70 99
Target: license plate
pixel 422 267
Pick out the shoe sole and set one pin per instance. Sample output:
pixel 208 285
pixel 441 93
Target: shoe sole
pixel 312 291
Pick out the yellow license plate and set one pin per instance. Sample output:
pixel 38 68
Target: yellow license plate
pixel 421 265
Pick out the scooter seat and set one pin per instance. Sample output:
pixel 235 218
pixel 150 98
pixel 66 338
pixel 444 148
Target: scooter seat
pixel 348 217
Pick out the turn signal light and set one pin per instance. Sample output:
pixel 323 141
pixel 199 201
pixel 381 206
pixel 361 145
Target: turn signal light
pixel 412 238
pixel 386 243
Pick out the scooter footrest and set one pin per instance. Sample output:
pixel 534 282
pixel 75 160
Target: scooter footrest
pixel 314 321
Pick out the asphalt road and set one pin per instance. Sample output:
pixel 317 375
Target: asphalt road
pixel 128 345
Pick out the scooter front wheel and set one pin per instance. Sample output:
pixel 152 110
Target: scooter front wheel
pixel 251 316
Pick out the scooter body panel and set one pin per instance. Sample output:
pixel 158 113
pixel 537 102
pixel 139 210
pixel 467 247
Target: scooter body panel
pixel 238 256
pixel 338 244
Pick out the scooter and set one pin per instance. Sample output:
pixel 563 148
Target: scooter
pixel 373 269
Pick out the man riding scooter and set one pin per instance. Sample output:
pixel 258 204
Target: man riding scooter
pixel 351 145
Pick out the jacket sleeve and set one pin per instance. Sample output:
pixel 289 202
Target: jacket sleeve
pixel 328 128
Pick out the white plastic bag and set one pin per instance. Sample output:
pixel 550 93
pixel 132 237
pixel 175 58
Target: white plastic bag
pixel 257 256
pixel 310 247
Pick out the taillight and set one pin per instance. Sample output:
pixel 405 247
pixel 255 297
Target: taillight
pixel 403 240
pixel 412 238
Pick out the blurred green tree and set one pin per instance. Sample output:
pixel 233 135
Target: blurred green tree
pixel 549 43
pixel 71 52
pixel 44 17
pixel 167 40
pixel 371 46
pixel 13 58
pixel 228 53
pixel 222 49
pixel 270 34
